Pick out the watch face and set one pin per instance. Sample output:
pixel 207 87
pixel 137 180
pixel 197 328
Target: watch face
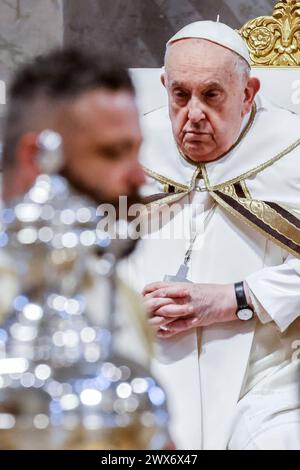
pixel 245 314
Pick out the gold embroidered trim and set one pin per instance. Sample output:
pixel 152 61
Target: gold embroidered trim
pixel 177 195
pixel 257 208
pixel 293 212
pixel 165 181
pixel 181 187
pixel 206 179
pixel 245 189
pixel 242 135
pixel 168 199
pixel 197 173
pixel 260 209
pixel 255 170
pixel 266 214
pixel 251 224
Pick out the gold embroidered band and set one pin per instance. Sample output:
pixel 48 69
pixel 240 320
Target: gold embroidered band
pixel 277 223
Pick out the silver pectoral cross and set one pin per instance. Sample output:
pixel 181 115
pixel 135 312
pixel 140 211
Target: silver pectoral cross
pixel 181 275
pixel 183 270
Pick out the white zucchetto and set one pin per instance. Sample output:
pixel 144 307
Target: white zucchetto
pixel 216 32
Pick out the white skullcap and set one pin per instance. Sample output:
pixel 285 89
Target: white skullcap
pixel 216 32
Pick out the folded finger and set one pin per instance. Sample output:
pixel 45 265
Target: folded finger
pixel 154 286
pixel 171 291
pixel 175 310
pixel 178 326
pixel 153 304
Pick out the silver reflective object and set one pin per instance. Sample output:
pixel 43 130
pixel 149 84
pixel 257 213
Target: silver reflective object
pixel 61 385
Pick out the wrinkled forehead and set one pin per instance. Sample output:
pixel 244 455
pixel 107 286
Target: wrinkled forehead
pixel 199 53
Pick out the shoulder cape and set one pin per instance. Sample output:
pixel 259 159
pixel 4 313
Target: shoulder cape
pixel 276 218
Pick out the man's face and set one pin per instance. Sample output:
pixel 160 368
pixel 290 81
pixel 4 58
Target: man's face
pixel 208 98
pixel 102 138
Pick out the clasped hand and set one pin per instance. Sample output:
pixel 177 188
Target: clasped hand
pixel 181 306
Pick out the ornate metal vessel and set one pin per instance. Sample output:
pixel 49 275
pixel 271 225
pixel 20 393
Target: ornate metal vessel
pixel 61 385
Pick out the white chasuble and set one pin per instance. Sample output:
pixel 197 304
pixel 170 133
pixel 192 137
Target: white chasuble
pixel 245 210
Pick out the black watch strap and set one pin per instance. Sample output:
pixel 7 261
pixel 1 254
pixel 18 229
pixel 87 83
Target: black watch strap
pixel 240 295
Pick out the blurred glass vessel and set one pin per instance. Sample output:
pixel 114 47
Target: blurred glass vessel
pixel 61 385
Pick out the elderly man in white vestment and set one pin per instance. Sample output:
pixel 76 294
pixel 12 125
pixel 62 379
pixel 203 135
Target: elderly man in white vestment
pixel 228 322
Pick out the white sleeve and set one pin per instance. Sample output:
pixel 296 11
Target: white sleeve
pixel 277 289
pixel 261 313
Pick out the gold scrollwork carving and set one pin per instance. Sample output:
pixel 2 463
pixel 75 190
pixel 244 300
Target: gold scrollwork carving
pixel 275 40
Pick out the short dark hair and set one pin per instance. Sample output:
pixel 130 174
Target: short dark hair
pixel 62 74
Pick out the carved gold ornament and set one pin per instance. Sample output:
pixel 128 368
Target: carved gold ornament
pixel 275 40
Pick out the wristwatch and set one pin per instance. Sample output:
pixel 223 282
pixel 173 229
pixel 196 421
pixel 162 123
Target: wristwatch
pixel 244 311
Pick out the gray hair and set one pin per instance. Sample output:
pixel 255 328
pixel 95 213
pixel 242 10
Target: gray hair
pixel 242 67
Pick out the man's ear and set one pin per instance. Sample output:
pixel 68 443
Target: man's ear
pixel 21 174
pixel 163 79
pixel 26 159
pixel 251 90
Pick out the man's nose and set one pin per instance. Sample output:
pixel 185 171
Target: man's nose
pixel 195 111
pixel 136 175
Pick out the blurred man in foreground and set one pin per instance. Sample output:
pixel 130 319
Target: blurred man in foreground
pixel 90 101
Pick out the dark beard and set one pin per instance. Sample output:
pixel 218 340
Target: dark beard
pixel 99 198
pixel 120 247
